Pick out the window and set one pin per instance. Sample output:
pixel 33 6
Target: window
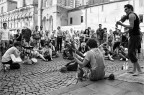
pixel 141 18
pixel 81 19
pixel 71 20
pixel 1 9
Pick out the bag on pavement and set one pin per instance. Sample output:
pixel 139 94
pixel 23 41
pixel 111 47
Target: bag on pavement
pixel 14 66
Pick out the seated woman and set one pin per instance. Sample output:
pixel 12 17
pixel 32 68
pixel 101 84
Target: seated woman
pixel 14 50
pixel 93 61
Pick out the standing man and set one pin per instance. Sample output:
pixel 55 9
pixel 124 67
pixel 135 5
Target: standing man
pixel 100 33
pixel 5 38
pixel 37 36
pixel 134 40
pixel 18 36
pixel 42 36
pixel 59 39
pixel 26 34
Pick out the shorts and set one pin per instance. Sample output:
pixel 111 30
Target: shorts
pixel 134 43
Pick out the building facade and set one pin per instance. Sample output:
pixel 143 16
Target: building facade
pixel 7 5
pixel 17 18
pixel 104 12
pixel 80 14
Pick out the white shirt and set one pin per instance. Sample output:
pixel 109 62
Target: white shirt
pixel 4 34
pixel 72 34
pixel 43 34
pixel 7 56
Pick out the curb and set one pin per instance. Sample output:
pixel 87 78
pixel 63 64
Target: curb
pixel 71 88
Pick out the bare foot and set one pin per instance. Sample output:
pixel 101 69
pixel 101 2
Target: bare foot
pixel 138 73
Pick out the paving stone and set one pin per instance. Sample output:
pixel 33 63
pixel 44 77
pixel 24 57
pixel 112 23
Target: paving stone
pixel 132 86
pixel 42 77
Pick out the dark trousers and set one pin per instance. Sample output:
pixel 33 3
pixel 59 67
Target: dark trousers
pixel 59 43
pixel 134 43
pixel 9 62
pixel 116 45
pixel 101 41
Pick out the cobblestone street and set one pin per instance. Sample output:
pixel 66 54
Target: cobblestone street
pixel 42 78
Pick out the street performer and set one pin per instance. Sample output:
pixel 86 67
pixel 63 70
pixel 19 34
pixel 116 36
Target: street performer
pixel 134 34
pixel 93 64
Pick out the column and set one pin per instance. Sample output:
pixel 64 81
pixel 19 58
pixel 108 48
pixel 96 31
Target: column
pixel 40 12
pixel 55 21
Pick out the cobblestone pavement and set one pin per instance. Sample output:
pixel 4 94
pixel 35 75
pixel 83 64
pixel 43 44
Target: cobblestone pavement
pixel 42 78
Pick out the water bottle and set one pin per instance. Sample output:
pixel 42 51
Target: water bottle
pixel 125 66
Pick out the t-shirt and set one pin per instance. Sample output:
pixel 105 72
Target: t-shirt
pixel 37 35
pixel 42 34
pixel 96 59
pixel 59 33
pixel 68 37
pixel 4 34
pixel 71 34
pixel 7 56
pixel 53 36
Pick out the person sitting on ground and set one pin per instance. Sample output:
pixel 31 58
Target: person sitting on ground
pixel 35 51
pixel 67 52
pixel 122 53
pixel 83 48
pixel 15 51
pixel 108 52
pixel 93 61
pixel 47 52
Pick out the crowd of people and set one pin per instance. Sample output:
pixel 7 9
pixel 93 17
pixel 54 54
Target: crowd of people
pixel 99 43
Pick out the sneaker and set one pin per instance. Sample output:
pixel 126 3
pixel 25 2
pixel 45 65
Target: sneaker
pixel 111 59
pixel 121 59
pixel 51 59
pixel 126 59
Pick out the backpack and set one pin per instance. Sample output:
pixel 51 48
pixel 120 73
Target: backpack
pixel 71 66
pixel 14 66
